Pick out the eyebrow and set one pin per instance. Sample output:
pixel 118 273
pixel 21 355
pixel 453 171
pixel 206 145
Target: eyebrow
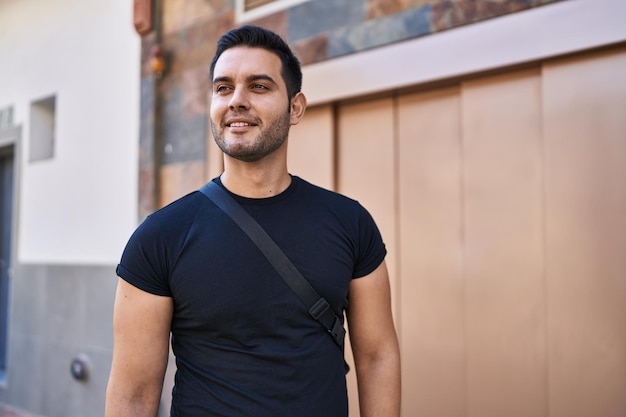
pixel 249 79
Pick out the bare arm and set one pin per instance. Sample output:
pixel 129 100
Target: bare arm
pixel 375 345
pixel 141 327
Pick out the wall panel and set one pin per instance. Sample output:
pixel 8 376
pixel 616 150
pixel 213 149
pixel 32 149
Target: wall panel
pixel 585 131
pixel 311 147
pixel 365 160
pixel 503 220
pixel 432 316
pixel 214 160
pixel 503 204
pixel 365 172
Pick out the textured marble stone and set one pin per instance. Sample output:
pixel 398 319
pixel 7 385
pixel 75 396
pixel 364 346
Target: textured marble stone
pixel 181 118
pixel 276 22
pixel 411 4
pixel 196 87
pixel 311 50
pixel 147 192
pixel 381 31
pixel 146 121
pixel 381 8
pixel 181 14
pixel 184 140
pixel 315 17
pixel 180 179
pixel 147 43
pixel 448 14
pixel 190 48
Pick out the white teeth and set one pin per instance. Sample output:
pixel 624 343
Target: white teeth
pixel 239 124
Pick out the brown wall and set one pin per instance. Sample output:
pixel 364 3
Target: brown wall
pixel 502 200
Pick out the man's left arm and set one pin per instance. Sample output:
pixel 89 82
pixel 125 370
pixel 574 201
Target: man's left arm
pixel 374 345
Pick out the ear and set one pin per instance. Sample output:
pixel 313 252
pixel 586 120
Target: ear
pixel 298 106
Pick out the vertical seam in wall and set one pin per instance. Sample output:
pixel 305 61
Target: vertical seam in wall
pixel 463 243
pixel 335 156
pixel 544 237
pixel 158 115
pixel 397 290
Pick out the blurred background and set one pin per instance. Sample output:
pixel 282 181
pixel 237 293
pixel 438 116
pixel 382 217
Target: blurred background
pixel 487 138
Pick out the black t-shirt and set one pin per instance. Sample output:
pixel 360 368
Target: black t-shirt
pixel 245 345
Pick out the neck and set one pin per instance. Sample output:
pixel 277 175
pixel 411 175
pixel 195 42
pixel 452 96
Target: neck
pixel 254 180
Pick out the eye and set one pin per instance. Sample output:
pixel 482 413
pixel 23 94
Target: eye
pixel 259 86
pixel 221 88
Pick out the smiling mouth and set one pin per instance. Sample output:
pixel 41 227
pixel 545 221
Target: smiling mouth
pixel 240 124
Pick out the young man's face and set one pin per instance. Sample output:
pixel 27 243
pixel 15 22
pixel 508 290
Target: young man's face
pixel 250 115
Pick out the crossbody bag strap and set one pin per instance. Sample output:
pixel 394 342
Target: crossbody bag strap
pixel 317 305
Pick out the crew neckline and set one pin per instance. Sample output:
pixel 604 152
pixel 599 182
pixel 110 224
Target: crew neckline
pixel 263 200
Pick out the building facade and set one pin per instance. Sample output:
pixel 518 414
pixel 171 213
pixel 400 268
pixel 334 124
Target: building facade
pixel 69 100
pixel 487 138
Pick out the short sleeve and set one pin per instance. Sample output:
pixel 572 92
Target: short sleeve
pixel 371 248
pixel 144 262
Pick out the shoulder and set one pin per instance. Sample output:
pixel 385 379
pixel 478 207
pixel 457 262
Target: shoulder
pixel 342 216
pixel 174 218
pixel 344 208
pixel 180 209
pixel 316 194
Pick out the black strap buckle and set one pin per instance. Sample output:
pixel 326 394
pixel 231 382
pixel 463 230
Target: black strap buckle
pixel 338 332
pixel 322 312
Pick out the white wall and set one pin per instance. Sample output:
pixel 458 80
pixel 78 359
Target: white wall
pixel 80 206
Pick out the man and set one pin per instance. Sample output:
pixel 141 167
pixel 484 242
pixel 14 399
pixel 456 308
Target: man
pixel 245 345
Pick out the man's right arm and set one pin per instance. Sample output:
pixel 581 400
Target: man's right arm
pixel 141 328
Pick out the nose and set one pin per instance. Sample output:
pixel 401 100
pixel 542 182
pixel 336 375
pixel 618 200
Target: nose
pixel 239 99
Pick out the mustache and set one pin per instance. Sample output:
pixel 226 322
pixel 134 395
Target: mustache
pixel 241 115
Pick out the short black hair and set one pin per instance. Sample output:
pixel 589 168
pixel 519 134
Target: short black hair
pixel 258 37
